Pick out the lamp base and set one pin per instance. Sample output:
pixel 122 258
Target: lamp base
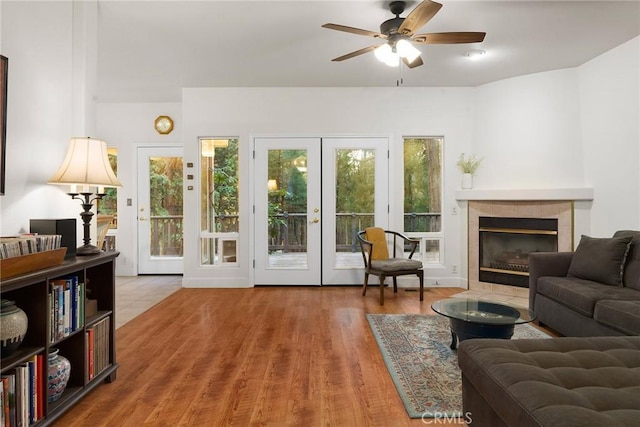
pixel 87 250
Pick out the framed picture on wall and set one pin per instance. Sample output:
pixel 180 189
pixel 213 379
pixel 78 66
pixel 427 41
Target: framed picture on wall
pixel 4 69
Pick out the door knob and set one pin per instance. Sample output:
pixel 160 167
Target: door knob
pixel 314 221
pixel 142 218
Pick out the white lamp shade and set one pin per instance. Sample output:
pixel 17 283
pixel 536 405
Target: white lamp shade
pixel 86 163
pixel 386 54
pixel 407 51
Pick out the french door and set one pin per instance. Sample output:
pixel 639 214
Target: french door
pixel 312 195
pixel 160 220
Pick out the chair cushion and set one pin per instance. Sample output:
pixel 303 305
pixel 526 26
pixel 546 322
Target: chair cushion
pixel 396 264
pixel 600 260
pixel 377 236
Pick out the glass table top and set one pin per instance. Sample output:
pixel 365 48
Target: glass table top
pixel 479 311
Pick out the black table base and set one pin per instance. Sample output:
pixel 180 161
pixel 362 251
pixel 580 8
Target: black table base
pixel 461 330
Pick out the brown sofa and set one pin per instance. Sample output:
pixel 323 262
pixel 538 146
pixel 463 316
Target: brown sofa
pixel 551 382
pixel 585 293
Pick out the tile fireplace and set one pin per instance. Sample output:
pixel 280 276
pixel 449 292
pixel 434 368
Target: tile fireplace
pixel 505 244
pixel 501 234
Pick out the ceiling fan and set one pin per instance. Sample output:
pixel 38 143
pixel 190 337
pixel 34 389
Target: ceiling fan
pixel 399 34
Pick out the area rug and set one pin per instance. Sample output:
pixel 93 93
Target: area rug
pixel 424 369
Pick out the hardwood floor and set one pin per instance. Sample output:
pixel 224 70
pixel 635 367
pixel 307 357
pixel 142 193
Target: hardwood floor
pixel 270 356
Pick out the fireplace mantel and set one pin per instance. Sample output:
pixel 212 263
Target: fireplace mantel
pixel 584 194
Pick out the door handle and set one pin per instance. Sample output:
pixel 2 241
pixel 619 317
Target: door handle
pixel 142 218
pixel 314 221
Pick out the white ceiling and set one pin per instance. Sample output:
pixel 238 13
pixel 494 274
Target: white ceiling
pixel 149 50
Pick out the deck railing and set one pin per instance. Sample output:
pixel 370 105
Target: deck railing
pixel 287 232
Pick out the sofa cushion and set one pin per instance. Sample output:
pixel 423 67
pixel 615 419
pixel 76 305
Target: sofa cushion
pixel 582 295
pixel 600 260
pixel 632 267
pixel 623 316
pixel 556 382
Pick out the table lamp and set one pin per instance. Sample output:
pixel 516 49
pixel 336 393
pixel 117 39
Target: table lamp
pixel 87 170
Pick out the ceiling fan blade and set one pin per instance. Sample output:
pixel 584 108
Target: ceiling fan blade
pixel 353 30
pixel 354 53
pixel 416 62
pixel 419 17
pixel 449 38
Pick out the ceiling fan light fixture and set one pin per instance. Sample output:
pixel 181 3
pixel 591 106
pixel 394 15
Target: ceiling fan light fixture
pixel 385 53
pixel 407 50
pixel 475 54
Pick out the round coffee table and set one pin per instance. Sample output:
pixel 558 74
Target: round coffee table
pixel 476 318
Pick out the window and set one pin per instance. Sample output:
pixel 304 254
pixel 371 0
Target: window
pixel 219 225
pixel 423 195
pixel 107 209
pixel 108 205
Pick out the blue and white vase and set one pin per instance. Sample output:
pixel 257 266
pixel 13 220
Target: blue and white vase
pixel 59 369
pixel 13 327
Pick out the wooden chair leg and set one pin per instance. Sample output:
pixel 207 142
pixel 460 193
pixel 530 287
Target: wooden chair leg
pixel 382 289
pixel 421 277
pixel 395 284
pixel 364 286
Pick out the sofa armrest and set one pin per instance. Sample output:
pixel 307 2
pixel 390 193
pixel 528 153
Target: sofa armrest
pixel 546 264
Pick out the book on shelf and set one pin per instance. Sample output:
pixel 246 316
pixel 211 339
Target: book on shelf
pixel 11 247
pixel 22 390
pixel 65 307
pixel 90 340
pixel 98 347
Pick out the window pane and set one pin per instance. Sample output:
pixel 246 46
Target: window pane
pixel 165 193
pixel 219 185
pixel 108 205
pixel 355 201
pixel 422 184
pixel 287 197
pixel 219 251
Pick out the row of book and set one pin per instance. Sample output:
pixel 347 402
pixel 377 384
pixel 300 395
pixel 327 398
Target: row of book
pixel 98 347
pixel 65 307
pixel 11 247
pixel 22 394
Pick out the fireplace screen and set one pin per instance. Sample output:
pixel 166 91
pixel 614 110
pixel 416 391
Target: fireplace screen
pixel 505 245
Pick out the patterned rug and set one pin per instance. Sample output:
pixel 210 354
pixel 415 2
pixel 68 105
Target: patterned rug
pixel 424 369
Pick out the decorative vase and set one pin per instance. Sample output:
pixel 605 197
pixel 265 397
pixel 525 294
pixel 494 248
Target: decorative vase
pixel 467 181
pixel 59 370
pixel 13 327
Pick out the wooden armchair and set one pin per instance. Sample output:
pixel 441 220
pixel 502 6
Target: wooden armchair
pixel 375 253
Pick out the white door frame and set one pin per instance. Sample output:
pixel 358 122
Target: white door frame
pixel 310 273
pixel 146 263
pixel 320 268
pixel 332 273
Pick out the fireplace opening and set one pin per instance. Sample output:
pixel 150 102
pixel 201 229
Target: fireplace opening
pixel 505 245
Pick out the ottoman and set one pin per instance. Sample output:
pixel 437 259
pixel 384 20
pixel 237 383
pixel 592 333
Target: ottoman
pixel 551 382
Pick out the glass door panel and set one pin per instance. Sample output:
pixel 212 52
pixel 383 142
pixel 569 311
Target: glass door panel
pixel 355 196
pixel 312 196
pixel 160 219
pixel 287 249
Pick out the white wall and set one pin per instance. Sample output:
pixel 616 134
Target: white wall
pixel 127 127
pixel 528 130
pixel 37 39
pixel 388 112
pixel 610 130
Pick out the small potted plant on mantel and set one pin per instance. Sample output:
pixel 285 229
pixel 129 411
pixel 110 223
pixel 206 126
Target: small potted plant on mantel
pixel 468 166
